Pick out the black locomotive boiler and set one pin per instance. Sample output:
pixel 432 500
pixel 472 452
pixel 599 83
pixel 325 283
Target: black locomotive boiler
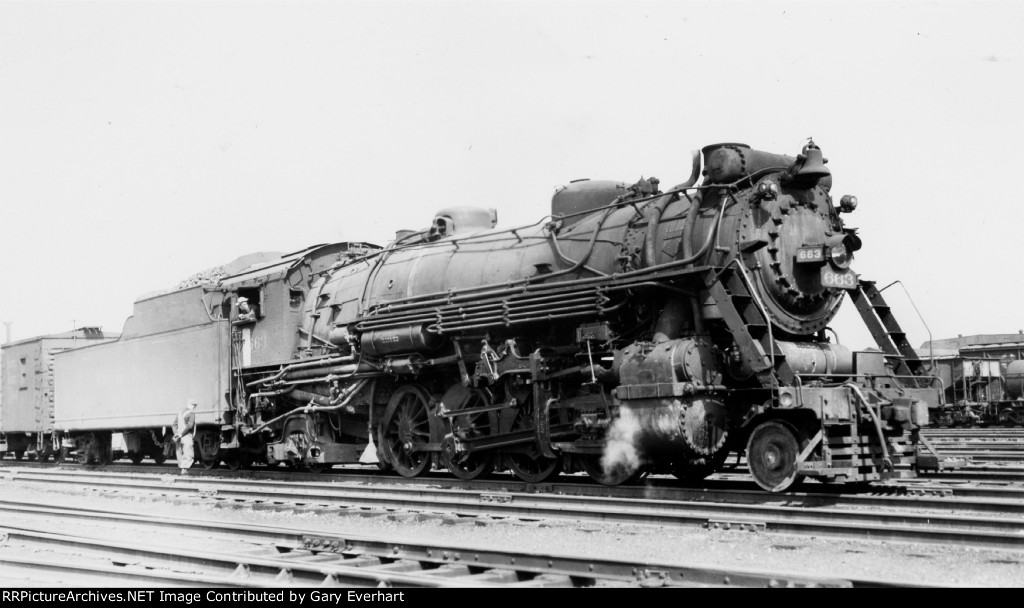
pixel 637 329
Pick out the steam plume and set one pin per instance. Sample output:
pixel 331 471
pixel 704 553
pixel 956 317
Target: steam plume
pixel 621 453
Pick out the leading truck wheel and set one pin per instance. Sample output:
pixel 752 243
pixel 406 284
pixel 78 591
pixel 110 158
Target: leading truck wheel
pixel 771 456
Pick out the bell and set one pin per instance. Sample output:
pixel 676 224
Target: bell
pixel 810 165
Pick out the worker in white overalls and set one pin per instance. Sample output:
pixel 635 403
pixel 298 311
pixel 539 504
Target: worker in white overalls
pixel 184 432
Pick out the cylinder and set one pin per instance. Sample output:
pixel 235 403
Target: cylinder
pixel 1015 379
pixel 817 358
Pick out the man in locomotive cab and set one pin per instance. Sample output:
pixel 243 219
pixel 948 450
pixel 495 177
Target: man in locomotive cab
pixel 246 313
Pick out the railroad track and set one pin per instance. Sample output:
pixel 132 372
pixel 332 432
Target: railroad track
pixel 284 557
pixel 984 432
pixel 915 514
pixel 992 480
pixel 980 445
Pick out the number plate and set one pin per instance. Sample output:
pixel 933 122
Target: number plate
pixel 842 280
pixel 810 255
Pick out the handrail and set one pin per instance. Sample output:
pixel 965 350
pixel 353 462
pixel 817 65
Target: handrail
pixel 933 379
pixel 886 459
pixel 760 306
pixel 931 351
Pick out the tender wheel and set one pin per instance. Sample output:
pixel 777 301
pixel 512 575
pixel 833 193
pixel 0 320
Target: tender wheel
pixel 136 457
pixel 771 456
pixel 19 454
pixel 619 475
pixel 60 456
pixel 233 460
pixel 463 465
pixel 208 462
pixel 406 423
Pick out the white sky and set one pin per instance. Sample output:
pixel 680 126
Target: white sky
pixel 141 142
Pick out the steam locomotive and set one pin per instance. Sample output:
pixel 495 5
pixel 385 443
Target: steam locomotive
pixel 634 330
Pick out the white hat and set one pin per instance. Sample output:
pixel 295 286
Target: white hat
pixel 240 300
pixel 193 402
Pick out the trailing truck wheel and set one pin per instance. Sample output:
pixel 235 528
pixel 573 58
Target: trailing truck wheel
pixel 19 454
pixel 136 457
pixel 406 423
pixel 771 456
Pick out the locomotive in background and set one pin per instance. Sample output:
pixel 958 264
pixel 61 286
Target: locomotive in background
pixel 632 331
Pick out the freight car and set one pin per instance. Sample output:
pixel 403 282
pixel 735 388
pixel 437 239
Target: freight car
pixel 980 391
pixel 633 330
pixel 26 386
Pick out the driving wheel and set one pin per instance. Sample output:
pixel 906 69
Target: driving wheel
pixel 528 464
pixel 466 465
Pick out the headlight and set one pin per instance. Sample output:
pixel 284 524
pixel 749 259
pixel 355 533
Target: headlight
pixel 839 253
pixel 840 256
pixel 785 399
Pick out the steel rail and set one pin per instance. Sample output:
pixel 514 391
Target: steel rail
pixel 313 556
pixel 902 525
pixel 731 481
pixel 254 570
pixel 920 493
pixel 30 571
